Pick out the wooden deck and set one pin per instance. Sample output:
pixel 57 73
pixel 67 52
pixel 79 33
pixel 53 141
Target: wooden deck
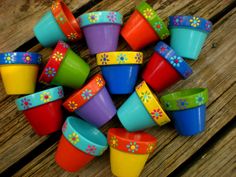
pixel 212 153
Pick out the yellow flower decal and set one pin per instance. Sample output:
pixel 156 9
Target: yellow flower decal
pixel 114 141
pixel 72 105
pixel 72 36
pixel 45 97
pixel 93 17
pixel 99 82
pixel 57 56
pixel 55 5
pixel 74 138
pixel 148 13
pixel 150 148
pixel 195 21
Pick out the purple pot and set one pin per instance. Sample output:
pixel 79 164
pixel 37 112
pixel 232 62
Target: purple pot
pixel 99 110
pixel 101 30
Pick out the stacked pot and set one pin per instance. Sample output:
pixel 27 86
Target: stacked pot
pixel 91 102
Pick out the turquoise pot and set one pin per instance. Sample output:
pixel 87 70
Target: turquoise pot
pixel 187 42
pixel 133 115
pixel 188 35
pixel 48 32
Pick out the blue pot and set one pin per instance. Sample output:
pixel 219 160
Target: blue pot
pixel 120 79
pixel 189 122
pixel 133 115
pixel 48 32
pixel 188 35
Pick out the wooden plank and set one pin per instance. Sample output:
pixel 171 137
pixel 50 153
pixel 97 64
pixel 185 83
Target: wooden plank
pixel 215 70
pixel 218 161
pixel 21 16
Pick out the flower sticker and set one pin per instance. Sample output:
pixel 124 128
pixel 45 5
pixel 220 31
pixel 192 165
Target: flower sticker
pixel 26 103
pixel 104 59
pixel 113 141
pixel 64 127
pixel 93 17
pixel 72 36
pixel 158 26
pixel 60 92
pixel 132 147
pixel 178 20
pixel 112 17
pixel 99 82
pixel 199 100
pixel 182 103
pixel 27 58
pixel 45 97
pixel 138 57
pixel 87 94
pixel 9 58
pixel 208 25
pixel 58 56
pixel 91 150
pixel 162 49
pixel 72 105
pixel 61 18
pixel 156 113
pixel 74 138
pixel 55 5
pixel 145 96
pixel 50 72
pixel 176 60
pixel 195 21
pixel 150 148
pixel 121 58
pixel 167 105
pixel 148 13
pixel 65 45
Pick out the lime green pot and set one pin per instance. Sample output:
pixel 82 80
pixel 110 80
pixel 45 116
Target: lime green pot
pixel 73 71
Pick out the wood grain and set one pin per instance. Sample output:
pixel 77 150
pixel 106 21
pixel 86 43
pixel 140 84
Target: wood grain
pixel 20 18
pixel 215 69
pixel 218 161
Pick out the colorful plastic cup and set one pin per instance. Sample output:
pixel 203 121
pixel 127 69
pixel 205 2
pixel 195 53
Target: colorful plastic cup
pixel 187 109
pixel 57 24
pixel 188 34
pixel 144 27
pixel 165 68
pixel 19 71
pixel 92 103
pixel 65 68
pixel 141 110
pixel 79 144
pixel 43 110
pixel 101 30
pixel 129 151
pixel 120 70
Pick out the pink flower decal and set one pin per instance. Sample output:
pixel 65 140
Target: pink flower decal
pixel 91 149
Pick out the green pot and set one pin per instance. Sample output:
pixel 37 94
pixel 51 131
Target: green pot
pixel 73 71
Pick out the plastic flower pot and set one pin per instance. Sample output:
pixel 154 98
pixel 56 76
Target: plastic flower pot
pixel 19 71
pixel 57 24
pixel 188 35
pixel 101 30
pixel 187 109
pixel 79 144
pixel 65 68
pixel 92 103
pixel 120 70
pixel 129 151
pixel 142 110
pixel 165 68
pixel 144 27
pixel 43 110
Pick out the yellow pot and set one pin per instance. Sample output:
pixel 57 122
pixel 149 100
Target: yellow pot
pixel 129 151
pixel 19 78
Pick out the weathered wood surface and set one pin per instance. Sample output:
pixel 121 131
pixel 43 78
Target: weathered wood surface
pixel 17 138
pixel 19 17
pixel 218 161
pixel 215 69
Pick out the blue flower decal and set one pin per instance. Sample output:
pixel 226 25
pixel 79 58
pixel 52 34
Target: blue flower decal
pixel 87 94
pixel 176 60
pixel 182 103
pixel 199 100
pixel 50 72
pixel 121 58
pixel 9 57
